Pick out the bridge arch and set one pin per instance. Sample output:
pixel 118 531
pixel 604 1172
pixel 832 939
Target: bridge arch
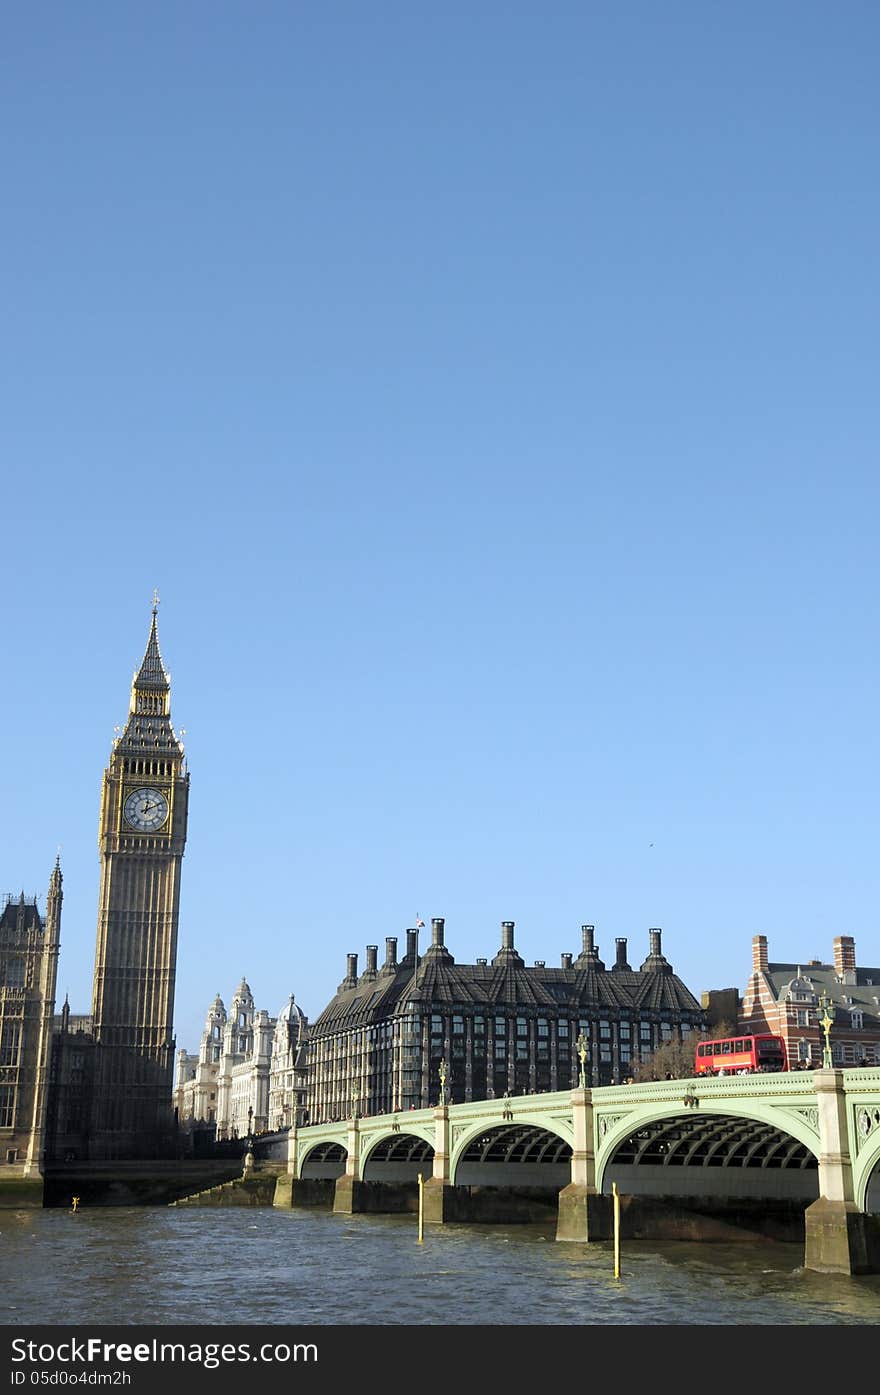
pixel 399 1157
pixel 746 1153
pixel 523 1151
pixel 325 1160
pixel 866 1178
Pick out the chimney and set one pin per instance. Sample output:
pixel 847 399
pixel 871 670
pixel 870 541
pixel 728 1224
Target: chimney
pixel 589 955
pixel 760 959
pixel 372 951
pixel 437 949
pixel 412 947
pixel 507 954
pixel 620 961
pixel 482 961
pixel 845 958
pixel 656 961
pixel 566 961
pixel 540 963
pixel 390 951
pixel 351 972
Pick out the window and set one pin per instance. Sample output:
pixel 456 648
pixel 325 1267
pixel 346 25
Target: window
pixel 624 1031
pixel 10 1036
pixel 7 1106
pixel 15 973
pixel 562 1029
pixel 501 1027
pixel 522 1029
pixel 604 1030
pixel 856 1021
pixel 803 1017
pixel 803 1050
pixel 645 1031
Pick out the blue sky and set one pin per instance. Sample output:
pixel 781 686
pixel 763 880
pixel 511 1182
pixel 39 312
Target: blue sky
pixel 491 393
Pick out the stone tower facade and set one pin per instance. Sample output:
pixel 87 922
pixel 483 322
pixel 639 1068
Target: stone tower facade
pixel 141 839
pixel 28 967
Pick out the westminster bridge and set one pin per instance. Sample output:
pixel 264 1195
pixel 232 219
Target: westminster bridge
pixel 805 1141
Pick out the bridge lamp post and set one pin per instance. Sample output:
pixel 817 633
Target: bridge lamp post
pixel 582 1048
pixel 826 1021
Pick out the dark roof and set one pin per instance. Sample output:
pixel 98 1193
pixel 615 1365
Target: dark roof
pixel 20 916
pixel 507 985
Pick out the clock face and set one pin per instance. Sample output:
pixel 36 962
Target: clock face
pixel 146 809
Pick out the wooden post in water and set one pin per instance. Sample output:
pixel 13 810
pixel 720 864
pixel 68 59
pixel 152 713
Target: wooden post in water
pixel 421 1210
pixel 616 1194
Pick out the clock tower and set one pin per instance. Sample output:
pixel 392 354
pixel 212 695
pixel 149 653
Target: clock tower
pixel 141 839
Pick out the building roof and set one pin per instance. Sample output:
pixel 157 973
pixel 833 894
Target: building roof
pixel 506 984
pixel 20 916
pixel 862 993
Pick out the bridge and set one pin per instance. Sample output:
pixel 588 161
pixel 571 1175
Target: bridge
pixel 807 1142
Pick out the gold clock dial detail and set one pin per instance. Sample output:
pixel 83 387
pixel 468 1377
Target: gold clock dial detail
pixel 145 809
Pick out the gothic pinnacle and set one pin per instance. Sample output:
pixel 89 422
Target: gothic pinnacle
pixel 152 673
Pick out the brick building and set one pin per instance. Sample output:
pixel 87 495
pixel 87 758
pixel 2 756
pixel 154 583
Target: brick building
pixel 787 999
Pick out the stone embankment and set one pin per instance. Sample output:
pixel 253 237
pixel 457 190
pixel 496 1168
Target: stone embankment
pixel 256 1187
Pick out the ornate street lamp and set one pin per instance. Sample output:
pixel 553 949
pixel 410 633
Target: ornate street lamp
pixel 581 1045
pixel 355 1096
pixel 826 1021
pixel 441 1071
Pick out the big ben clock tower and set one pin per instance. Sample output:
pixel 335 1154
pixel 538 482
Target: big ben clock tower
pixel 141 840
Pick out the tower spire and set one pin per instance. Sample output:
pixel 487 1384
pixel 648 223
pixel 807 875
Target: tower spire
pixel 151 677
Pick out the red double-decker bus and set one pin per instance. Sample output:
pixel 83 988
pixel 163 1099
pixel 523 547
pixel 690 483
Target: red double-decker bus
pixel 741 1055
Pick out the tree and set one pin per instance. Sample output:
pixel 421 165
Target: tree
pixel 675 1058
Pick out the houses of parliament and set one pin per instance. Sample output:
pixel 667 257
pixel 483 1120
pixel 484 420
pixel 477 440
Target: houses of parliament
pixel 100 1087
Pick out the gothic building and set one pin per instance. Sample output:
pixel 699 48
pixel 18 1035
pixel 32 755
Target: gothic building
pixel 500 1027
pixel 111 1084
pixel 250 1071
pixel 28 968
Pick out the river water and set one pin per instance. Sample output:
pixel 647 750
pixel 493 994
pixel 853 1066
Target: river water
pixel 214 1266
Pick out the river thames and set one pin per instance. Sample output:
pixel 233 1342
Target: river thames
pixel 213 1266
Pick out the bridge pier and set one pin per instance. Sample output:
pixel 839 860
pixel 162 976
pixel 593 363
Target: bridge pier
pixel 583 1213
pixel 439 1194
pixel 840 1239
pixel 293 1151
pixel 348 1196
